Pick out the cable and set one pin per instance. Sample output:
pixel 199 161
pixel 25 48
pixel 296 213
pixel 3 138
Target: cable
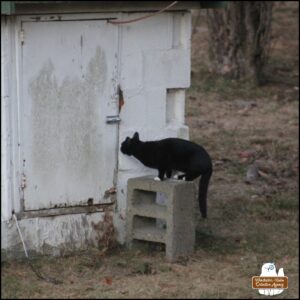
pixel 37 273
pixel 144 17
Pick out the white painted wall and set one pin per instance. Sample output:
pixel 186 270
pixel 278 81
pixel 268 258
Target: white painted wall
pixel 10 175
pixel 154 71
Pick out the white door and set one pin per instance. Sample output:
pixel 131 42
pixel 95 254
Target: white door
pixel 68 87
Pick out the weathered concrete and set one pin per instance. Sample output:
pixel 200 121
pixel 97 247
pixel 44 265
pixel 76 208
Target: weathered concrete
pixel 143 210
pixel 55 235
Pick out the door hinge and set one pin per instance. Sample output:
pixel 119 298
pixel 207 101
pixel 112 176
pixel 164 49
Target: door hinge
pixel 22 37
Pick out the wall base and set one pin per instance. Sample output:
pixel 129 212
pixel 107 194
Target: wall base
pixel 56 236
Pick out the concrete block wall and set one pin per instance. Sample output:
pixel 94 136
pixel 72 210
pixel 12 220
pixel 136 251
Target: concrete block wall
pixel 154 73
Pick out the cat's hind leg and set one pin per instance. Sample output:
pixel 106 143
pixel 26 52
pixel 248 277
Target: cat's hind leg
pixel 180 176
pixel 169 173
pixel 188 176
pixel 191 176
pixel 161 173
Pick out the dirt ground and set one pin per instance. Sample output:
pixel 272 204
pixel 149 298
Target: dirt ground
pixel 248 224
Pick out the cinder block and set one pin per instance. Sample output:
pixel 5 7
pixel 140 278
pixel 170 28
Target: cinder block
pixel 143 211
pixel 156 108
pixel 134 109
pixel 132 71
pixel 167 68
pixel 182 30
pixel 175 106
pixel 156 33
pixel 180 131
pixel 144 108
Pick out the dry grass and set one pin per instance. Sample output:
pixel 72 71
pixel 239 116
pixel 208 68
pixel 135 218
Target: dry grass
pixel 247 225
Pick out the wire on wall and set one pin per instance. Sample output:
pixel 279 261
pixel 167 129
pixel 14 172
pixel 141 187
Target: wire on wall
pixel 144 17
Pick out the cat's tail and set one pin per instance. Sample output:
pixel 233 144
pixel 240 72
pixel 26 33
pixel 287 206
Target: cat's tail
pixel 203 188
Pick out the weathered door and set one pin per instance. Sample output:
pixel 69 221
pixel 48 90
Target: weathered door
pixel 68 88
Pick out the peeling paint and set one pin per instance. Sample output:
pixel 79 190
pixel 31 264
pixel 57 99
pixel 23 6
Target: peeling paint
pixel 104 232
pixel 121 99
pixel 60 235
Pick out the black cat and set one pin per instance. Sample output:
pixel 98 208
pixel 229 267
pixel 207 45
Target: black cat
pixel 174 154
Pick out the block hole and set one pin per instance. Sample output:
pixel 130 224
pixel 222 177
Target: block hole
pixel 144 197
pixel 149 246
pixel 175 106
pixel 143 222
pixel 147 224
pixel 148 197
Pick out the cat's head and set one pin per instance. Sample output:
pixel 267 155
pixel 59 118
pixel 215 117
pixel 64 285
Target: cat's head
pixel 128 145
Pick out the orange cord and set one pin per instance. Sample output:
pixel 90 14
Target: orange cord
pixel 144 17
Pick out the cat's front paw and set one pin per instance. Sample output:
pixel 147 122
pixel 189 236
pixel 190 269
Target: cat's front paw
pixel 157 178
pixel 179 177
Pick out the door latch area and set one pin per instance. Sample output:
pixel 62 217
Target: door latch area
pixel 113 119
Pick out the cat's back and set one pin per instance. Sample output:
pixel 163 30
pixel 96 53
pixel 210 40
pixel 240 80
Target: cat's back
pixel 178 147
pixel 185 155
pixel 174 147
pixel 178 143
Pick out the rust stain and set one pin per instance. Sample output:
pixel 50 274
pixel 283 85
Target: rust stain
pixel 110 191
pixel 105 232
pixel 121 99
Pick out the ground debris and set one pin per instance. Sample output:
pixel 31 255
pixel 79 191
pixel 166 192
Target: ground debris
pixel 144 268
pixel 252 174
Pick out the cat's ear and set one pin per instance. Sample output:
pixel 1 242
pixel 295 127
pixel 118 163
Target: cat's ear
pixel 136 136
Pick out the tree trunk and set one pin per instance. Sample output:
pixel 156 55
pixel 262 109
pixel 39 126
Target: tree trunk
pixel 240 39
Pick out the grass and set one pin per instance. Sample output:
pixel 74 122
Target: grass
pixel 226 87
pixel 247 225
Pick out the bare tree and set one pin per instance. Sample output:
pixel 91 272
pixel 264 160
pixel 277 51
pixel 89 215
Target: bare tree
pixel 240 39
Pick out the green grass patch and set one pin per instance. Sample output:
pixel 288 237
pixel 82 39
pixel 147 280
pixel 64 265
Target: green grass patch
pixel 285 202
pixel 214 243
pixel 206 82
